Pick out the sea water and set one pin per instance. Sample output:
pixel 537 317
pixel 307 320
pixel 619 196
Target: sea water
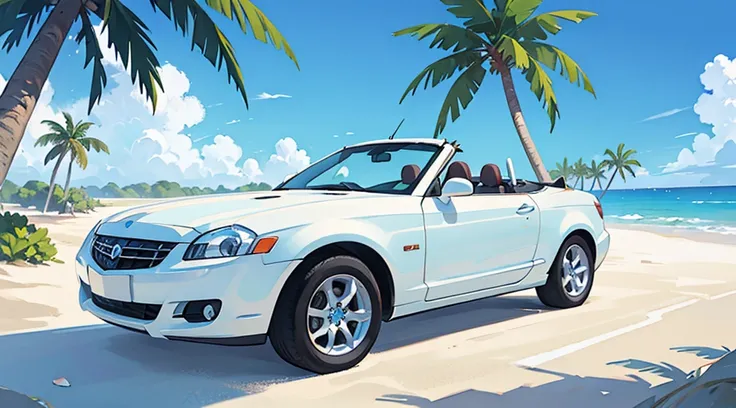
pixel 709 209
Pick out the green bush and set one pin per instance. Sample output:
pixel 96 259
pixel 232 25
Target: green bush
pixel 21 241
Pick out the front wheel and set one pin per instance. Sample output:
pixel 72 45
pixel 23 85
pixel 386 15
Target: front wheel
pixel 570 277
pixel 329 319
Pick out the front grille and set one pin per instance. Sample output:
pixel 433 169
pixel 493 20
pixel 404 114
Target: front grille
pixel 124 253
pixel 141 311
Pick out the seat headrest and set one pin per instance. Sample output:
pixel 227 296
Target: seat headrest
pixel 409 173
pixel 490 175
pixel 459 169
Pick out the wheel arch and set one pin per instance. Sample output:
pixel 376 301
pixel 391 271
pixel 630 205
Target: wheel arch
pixel 587 237
pixel 369 256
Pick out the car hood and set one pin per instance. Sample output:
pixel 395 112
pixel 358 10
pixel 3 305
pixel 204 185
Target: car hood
pixel 176 220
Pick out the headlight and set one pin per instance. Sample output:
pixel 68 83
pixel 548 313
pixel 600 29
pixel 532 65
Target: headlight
pixel 224 242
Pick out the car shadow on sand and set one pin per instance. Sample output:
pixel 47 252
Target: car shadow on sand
pixel 565 391
pixel 111 367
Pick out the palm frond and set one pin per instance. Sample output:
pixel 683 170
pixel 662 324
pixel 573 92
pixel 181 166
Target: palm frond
pixel 446 36
pixel 472 12
pixel 48 138
pixel 18 16
pixel 246 13
pixel 513 53
pixel 443 69
pixel 538 27
pixel 550 56
pixel 69 123
pixel 541 85
pixel 460 94
pixel 664 370
pixel 92 53
pixel 79 153
pixel 520 10
pixel 59 149
pixel 705 352
pixel 96 144
pixel 134 48
pixel 80 130
pixel 56 127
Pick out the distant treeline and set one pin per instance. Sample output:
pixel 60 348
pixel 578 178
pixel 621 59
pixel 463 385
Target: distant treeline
pixel 33 193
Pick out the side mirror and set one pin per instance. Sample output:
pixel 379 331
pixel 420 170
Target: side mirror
pixel 456 187
pixel 289 177
pixel 510 170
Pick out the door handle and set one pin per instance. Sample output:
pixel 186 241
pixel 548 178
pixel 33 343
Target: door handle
pixel 525 209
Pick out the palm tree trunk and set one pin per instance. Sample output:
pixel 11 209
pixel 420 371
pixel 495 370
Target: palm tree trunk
pixel 18 100
pixel 593 186
pixel 582 183
pixel 515 109
pixel 68 180
pixel 51 183
pixel 608 185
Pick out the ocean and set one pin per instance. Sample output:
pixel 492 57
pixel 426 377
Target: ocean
pixel 707 209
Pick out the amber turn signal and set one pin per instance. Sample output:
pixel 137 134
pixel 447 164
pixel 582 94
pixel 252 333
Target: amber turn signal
pixel 265 245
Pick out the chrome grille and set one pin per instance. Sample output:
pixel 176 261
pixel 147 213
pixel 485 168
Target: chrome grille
pixel 125 253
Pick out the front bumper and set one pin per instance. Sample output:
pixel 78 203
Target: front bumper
pixel 247 288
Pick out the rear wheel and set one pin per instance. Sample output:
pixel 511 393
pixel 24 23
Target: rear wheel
pixel 329 319
pixel 570 278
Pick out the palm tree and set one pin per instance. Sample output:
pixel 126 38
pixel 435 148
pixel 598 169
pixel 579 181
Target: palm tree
pixel 506 37
pixel 70 139
pixel 618 162
pixel 581 172
pixel 127 34
pixel 597 173
pixel 563 170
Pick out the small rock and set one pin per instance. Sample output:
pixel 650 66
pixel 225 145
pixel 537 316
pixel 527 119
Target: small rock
pixel 61 382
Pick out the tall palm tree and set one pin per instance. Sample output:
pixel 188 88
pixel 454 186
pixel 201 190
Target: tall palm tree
pixel 563 170
pixel 127 35
pixel 597 173
pixel 620 162
pixel 70 139
pixel 506 37
pixel 581 172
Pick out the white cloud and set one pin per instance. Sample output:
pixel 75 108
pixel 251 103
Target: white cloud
pixel 335 136
pixel 266 95
pixel 666 113
pixel 349 133
pixel 686 135
pixel 716 107
pixel 232 122
pixel 147 147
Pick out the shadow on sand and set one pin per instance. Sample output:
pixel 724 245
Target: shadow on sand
pixel 111 367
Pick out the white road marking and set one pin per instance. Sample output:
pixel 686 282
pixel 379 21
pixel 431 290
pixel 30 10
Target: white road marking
pixel 723 295
pixel 652 317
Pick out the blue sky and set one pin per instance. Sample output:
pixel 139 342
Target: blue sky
pixel 643 62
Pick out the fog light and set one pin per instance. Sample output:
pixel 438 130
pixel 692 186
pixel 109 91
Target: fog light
pixel 200 311
pixel 208 312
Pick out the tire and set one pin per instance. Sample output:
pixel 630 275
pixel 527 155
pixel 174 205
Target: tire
pixel 291 328
pixel 562 296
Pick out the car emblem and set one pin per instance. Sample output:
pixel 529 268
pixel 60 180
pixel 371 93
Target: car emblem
pixel 116 251
pixel 128 224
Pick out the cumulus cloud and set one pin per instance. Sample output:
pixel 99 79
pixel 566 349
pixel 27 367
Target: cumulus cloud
pixel 147 147
pixel 716 107
pixel 266 95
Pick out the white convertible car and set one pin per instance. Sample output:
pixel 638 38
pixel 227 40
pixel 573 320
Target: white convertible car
pixel 370 233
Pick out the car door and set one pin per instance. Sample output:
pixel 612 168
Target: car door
pixel 478 242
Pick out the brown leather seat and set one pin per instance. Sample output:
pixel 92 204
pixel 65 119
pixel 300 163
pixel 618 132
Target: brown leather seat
pixel 490 180
pixel 459 169
pixel 409 173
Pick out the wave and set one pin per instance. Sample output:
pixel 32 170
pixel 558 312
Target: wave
pixel 661 220
pixel 718 229
pixel 628 217
pixel 714 202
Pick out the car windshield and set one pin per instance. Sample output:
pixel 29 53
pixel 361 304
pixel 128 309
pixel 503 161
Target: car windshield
pixel 393 168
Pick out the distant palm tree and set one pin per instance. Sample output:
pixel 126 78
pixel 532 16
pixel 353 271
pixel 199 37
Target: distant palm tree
pixel 581 172
pixel 70 139
pixel 506 37
pixel 563 170
pixel 127 35
pixel 618 162
pixel 597 173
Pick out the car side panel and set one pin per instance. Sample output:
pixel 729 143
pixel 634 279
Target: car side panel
pixel 393 223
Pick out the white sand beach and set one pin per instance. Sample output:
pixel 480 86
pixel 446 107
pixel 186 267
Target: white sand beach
pixel 654 291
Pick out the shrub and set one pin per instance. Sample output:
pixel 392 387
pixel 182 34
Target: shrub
pixel 21 241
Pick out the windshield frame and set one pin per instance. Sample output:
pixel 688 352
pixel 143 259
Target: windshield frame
pixel 393 146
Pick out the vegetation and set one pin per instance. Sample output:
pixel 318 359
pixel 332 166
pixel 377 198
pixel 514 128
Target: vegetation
pixel 711 385
pixel 620 162
pixel 73 140
pixel 506 37
pixel 23 242
pixel 127 35
pixel 86 198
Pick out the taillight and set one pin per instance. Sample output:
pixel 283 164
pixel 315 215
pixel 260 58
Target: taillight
pixel 599 208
